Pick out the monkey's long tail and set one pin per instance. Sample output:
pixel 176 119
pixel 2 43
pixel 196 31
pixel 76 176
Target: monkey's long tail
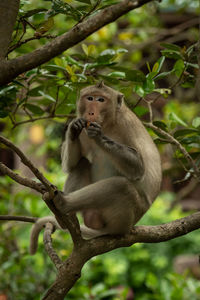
pixel 86 232
pixel 35 231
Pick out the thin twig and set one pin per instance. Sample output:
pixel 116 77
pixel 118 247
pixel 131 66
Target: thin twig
pixel 138 102
pixel 26 161
pixel 150 111
pixel 43 118
pixel 172 140
pixel 20 43
pixel 91 11
pixel 49 229
pixel 21 180
pixel 18 218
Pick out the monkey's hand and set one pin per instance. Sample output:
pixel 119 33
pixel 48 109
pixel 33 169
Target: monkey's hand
pixel 76 127
pixel 94 131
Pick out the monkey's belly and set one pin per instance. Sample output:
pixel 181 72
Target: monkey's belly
pixel 93 219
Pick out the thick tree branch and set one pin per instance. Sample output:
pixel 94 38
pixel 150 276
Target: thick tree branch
pixel 8 14
pixel 71 270
pixel 10 69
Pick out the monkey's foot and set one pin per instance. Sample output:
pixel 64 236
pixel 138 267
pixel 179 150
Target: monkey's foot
pixel 60 202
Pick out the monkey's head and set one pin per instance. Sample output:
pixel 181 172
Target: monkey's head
pixel 99 103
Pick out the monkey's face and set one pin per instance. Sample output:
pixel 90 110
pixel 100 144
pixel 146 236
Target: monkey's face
pixel 98 104
pixel 94 107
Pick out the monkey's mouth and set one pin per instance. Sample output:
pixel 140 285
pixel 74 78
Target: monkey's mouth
pixel 91 119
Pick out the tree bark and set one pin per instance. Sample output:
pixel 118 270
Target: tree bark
pixel 8 14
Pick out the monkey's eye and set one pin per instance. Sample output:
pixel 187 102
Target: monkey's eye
pixel 90 98
pixel 100 99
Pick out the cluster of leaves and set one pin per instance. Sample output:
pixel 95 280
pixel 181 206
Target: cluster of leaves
pixel 52 88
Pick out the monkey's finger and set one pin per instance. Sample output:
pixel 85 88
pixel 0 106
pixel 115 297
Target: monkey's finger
pixel 78 125
pixel 93 129
pixel 95 124
pixel 82 121
pixel 94 132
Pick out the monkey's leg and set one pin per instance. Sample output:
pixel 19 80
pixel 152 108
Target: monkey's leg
pixel 115 198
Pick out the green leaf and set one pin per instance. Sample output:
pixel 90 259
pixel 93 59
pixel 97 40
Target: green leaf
pixel 85 49
pixel 155 67
pixel 34 92
pixel 85 1
pixel 149 85
pixel 58 61
pixel 3 114
pixel 47 96
pixel 161 125
pixel 183 132
pixel 174 117
pixel 152 281
pixel 138 89
pixel 109 79
pixel 159 141
pixel 163 75
pixel 161 62
pixel 171 47
pixel 148 66
pixel 179 66
pixel 191 140
pixel 196 122
pixel 122 50
pixel 34 109
pixel 46 26
pixel 55 67
pixel 117 74
pixel 106 56
pixel 171 54
pixel 135 75
pixel 140 110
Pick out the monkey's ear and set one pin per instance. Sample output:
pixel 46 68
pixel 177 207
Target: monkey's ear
pixel 120 99
pixel 100 84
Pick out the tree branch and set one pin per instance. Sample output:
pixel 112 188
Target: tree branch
pixel 71 270
pixel 10 69
pixel 26 162
pixel 18 218
pixel 21 180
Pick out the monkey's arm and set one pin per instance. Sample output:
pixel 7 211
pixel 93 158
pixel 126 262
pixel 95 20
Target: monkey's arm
pixel 126 159
pixel 71 149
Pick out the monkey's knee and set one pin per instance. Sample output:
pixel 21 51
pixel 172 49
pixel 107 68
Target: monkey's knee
pixel 122 185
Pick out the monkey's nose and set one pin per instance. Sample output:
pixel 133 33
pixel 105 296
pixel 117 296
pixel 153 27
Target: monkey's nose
pixel 91 114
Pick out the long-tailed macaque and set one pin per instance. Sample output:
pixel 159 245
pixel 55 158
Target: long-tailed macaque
pixel 113 166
